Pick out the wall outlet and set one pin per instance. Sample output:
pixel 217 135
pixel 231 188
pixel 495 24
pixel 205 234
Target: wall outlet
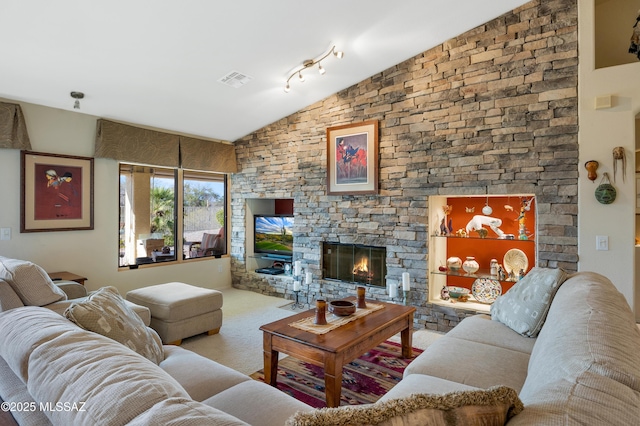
pixel 602 242
pixel 5 234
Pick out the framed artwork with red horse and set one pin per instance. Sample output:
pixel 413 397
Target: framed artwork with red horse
pixel 352 159
pixel 56 192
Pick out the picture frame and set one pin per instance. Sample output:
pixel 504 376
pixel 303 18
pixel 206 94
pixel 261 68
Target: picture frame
pixel 56 192
pixel 352 159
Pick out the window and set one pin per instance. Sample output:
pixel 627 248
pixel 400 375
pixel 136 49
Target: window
pixel 152 230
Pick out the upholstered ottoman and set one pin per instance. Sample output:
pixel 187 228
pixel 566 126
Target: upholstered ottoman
pixel 180 310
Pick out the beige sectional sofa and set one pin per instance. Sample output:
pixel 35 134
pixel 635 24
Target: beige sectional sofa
pixel 47 360
pixel 72 358
pixel 582 368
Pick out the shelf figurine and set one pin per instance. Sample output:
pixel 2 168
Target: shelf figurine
pixel 444 293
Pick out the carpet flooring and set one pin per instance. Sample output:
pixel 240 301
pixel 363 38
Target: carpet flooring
pixel 364 380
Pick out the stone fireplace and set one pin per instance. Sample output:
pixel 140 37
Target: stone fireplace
pixel 354 263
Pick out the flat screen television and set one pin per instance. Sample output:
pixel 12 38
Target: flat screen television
pixel 273 234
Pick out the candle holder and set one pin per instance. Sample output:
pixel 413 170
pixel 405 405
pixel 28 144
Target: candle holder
pixel 406 287
pixel 405 298
pixel 393 291
pixel 296 304
pixel 297 282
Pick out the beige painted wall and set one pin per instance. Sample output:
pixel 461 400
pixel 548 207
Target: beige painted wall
pixel 90 253
pixel 600 131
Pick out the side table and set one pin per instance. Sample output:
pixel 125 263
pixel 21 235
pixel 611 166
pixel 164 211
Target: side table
pixel 67 276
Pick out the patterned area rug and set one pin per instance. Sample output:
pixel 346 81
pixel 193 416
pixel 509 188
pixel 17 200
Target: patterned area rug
pixel 364 380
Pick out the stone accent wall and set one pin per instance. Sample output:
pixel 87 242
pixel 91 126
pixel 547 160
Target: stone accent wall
pixel 492 111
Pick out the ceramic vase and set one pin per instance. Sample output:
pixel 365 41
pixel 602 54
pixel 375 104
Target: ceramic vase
pixel 470 265
pixel 321 308
pixel 494 267
pixel 454 263
pixel 361 302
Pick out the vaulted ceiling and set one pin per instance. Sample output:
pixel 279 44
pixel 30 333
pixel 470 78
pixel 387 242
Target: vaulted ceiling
pixel 159 63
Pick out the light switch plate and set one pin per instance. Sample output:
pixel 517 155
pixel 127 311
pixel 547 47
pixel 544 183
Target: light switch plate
pixel 602 242
pixel 5 234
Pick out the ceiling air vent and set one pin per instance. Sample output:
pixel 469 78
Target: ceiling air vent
pixel 235 79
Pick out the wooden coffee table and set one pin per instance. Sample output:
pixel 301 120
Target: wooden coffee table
pixel 337 347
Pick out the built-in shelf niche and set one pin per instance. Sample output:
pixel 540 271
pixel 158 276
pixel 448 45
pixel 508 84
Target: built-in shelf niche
pixel 452 242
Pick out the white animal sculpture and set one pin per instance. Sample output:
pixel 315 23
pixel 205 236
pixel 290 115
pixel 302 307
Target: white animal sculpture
pixel 478 221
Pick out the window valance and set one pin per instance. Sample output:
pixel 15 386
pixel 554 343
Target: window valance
pixel 198 154
pixel 129 143
pixel 13 129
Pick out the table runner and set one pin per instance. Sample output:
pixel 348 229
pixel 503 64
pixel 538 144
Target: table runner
pixel 334 321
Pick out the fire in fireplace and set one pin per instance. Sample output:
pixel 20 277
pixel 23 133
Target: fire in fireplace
pixel 354 263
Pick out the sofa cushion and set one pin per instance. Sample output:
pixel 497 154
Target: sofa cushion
pixel 590 399
pixel 421 383
pixel 30 282
pixel 8 297
pixel 524 307
pixel 105 312
pixel 12 389
pixel 493 406
pixel 184 412
pixel 449 358
pixel 480 328
pixel 59 361
pixel 247 401
pixel 199 376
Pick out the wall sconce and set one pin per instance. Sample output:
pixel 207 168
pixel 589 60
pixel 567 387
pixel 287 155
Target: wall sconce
pixel 77 96
pixel 310 63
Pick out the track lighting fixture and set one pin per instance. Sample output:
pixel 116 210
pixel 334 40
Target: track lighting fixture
pixel 77 96
pixel 310 63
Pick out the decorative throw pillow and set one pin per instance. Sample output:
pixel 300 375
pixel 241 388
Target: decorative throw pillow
pixel 493 406
pixel 105 312
pixel 524 307
pixel 30 282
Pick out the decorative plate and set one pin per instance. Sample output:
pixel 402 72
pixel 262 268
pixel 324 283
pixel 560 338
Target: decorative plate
pixel 486 290
pixel 515 260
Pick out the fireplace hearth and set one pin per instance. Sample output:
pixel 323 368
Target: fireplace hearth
pixel 354 263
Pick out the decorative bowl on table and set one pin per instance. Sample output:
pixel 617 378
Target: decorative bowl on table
pixel 342 308
pixel 456 292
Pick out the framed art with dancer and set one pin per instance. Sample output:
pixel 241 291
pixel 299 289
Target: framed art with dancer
pixel 56 192
pixel 352 159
